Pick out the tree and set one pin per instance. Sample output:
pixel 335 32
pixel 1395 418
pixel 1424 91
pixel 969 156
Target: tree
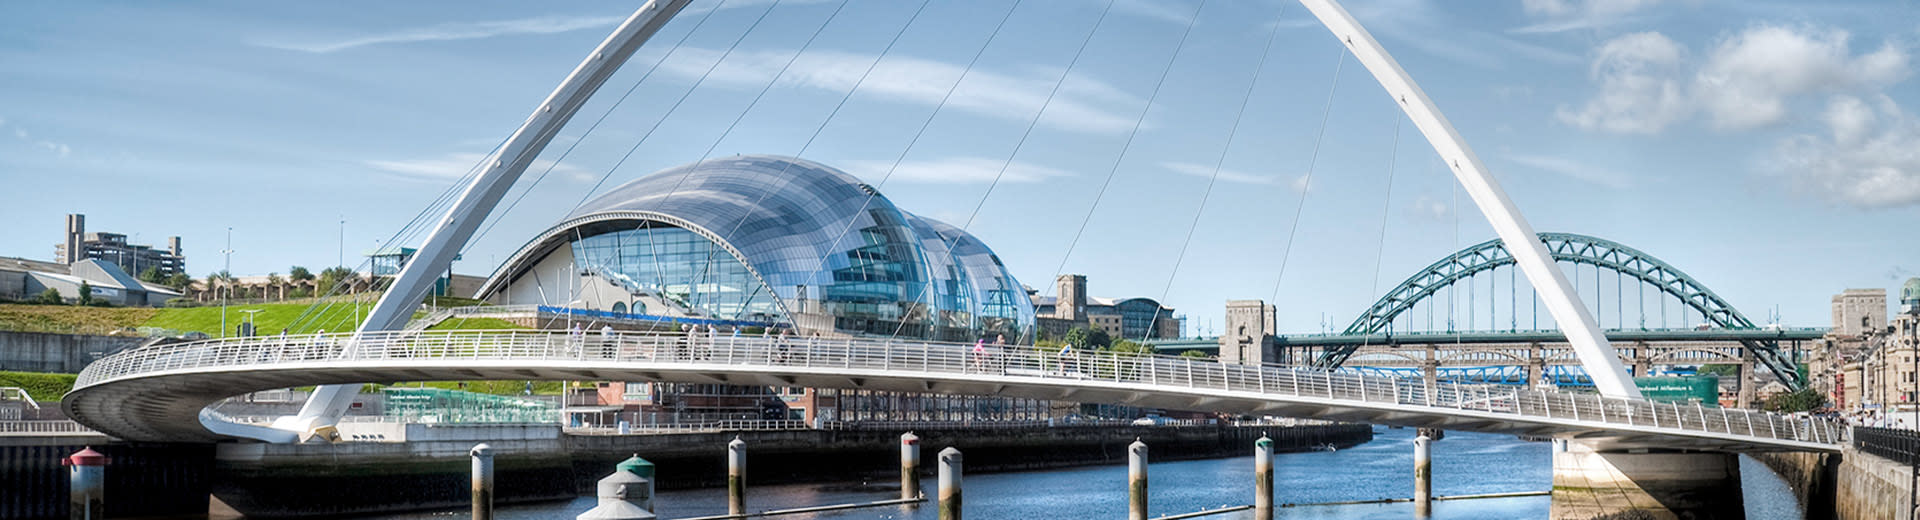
pixel 1126 346
pixel 1082 337
pixel 332 277
pixel 51 296
pixel 1802 400
pixel 275 283
pixel 178 281
pixel 1195 354
pixel 86 294
pixel 299 274
pixel 152 275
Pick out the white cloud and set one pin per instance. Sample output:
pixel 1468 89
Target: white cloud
pixel 1079 106
pixel 1869 157
pixel 1569 15
pixel 1748 77
pixel 57 148
pixel 1301 184
pixel 1639 87
pixel 456 165
pixel 1224 175
pixel 1748 80
pixel 456 31
pixel 1573 169
pixel 954 170
pixel 1429 208
pixel 1424 26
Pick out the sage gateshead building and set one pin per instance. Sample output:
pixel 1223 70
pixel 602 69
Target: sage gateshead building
pixel 767 241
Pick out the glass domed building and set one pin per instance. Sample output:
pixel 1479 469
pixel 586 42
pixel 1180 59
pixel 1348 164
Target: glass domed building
pixel 773 241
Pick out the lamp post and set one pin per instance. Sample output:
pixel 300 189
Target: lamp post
pixel 226 273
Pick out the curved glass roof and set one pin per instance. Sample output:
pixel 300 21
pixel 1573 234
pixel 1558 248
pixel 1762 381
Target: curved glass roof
pixel 825 243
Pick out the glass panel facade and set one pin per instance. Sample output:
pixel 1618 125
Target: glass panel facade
pixel 829 252
pixel 681 268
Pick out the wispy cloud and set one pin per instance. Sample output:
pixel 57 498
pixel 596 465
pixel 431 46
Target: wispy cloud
pixel 954 170
pixel 1225 175
pixel 1081 105
pixel 454 31
pixel 56 148
pixel 1573 169
pixel 1424 26
pixel 456 165
pixel 1430 208
pixel 1572 15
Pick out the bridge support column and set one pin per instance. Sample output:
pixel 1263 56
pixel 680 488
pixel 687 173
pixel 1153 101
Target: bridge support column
pixel 1589 483
pixel 737 477
pixel 1536 365
pixel 1744 396
pixel 1642 359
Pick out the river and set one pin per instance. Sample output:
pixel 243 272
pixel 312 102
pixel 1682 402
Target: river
pixel 1464 463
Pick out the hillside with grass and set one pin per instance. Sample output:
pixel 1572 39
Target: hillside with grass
pixel 302 316
pixel 43 387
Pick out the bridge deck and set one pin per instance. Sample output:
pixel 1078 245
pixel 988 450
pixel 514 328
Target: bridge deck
pixel 158 393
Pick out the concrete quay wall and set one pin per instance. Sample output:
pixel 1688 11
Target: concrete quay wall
pixel 1848 486
pixel 61 353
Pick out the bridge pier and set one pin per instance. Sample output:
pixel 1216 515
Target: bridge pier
pixel 1589 483
pixel 1743 396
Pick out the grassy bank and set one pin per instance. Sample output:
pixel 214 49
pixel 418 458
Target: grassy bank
pixel 43 387
pixel 65 318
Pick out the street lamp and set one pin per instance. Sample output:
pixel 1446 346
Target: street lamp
pixel 226 273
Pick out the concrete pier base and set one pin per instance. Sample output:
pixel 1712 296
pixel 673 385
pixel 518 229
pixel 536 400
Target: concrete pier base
pixel 1589 484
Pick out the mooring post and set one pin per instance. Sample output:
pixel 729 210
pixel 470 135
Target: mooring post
pixel 737 476
pixel 482 481
pixel 909 466
pixel 1137 480
pixel 87 470
pixel 950 484
pixel 1263 478
pixel 1423 475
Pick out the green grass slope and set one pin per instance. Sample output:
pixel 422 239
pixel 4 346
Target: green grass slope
pixel 43 387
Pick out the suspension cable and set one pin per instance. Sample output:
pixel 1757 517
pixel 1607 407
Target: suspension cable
pixel 1306 187
pixel 1386 211
pixel 713 254
pixel 1128 144
pixel 853 218
pixel 596 122
pixel 949 245
pixel 1225 148
pixel 675 108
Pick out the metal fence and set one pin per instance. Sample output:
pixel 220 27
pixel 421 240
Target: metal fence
pixel 43 427
pixel 935 359
pixel 1902 446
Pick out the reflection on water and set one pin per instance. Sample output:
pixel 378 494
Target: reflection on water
pixel 1464 463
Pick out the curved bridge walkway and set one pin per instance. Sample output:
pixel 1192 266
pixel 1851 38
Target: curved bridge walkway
pixel 157 393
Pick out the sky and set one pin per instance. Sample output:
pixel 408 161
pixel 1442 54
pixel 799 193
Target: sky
pixel 1769 149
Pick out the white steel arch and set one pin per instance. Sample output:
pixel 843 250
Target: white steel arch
pixel 1609 374
pixel 329 402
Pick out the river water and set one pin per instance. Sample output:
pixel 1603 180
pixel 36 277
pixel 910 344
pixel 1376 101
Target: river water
pixel 1464 463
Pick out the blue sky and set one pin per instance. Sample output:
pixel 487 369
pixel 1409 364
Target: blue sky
pixel 1770 149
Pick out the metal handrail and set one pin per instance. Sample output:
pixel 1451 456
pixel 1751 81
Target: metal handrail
pixel 43 427
pixel 931 357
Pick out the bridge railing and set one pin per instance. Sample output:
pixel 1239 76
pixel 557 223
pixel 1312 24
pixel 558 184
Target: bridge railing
pixel 1038 365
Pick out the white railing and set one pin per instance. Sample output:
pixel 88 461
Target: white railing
pixel 43 427
pixel 965 359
